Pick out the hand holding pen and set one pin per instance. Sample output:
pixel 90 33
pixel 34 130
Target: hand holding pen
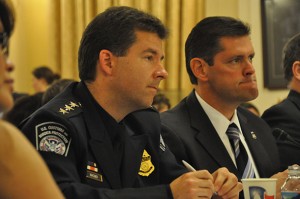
pixel 225 183
pixel 193 185
pixel 191 168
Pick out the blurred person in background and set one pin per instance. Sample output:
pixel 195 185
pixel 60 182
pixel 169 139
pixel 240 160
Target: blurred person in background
pixel 250 107
pixel 11 67
pixel 43 77
pixel 55 88
pixel 161 102
pixel 284 117
pixel 23 173
pixel 23 107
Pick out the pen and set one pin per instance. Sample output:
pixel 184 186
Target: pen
pixel 191 168
pixel 188 166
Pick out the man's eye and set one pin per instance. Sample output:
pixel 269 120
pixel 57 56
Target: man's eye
pixel 251 59
pixel 150 58
pixel 236 60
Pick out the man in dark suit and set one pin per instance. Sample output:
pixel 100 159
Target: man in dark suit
pixel 99 137
pixel 219 57
pixel 284 117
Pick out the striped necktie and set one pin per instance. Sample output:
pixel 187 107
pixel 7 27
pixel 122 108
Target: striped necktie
pixel 244 165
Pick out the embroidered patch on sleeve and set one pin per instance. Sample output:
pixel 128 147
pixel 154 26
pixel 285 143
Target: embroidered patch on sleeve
pixel 52 137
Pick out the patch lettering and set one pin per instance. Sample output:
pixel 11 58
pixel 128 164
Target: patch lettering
pixel 52 137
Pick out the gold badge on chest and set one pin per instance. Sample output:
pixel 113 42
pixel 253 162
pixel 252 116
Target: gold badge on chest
pixel 146 165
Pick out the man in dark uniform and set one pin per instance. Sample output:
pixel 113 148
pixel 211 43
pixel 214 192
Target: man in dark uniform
pixel 99 138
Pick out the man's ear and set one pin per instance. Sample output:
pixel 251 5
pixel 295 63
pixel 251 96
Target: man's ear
pixel 199 68
pixel 296 69
pixel 106 61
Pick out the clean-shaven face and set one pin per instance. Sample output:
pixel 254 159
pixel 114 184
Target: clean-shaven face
pixel 232 76
pixel 140 71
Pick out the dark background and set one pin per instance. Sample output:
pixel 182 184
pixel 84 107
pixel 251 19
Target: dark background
pixel 280 21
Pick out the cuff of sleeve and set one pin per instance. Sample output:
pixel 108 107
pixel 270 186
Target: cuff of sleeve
pixel 169 192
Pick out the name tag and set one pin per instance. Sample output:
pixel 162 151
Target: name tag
pixel 94 176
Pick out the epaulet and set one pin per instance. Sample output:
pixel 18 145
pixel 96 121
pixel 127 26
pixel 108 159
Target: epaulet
pixel 64 106
pixel 70 108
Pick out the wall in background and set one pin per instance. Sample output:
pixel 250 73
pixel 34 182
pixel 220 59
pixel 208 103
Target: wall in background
pixel 248 11
pixel 30 44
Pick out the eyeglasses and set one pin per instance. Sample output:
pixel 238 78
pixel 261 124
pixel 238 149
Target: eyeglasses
pixel 3 43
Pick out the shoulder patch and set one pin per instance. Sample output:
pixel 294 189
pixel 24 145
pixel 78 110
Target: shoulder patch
pixel 69 107
pixel 52 137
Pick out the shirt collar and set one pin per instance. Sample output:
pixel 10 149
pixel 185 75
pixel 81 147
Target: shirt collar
pixel 218 120
pixel 109 122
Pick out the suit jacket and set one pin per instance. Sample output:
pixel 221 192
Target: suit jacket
pixel 191 136
pixel 286 116
pixel 71 137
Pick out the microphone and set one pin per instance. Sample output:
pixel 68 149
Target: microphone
pixel 281 135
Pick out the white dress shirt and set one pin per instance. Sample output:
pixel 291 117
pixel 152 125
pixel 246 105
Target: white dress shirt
pixel 221 123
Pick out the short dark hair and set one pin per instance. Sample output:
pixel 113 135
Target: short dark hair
pixel 44 72
pixel 113 30
pixel 248 105
pixel 204 39
pixel 56 87
pixel 291 53
pixel 23 107
pixel 161 99
pixel 7 16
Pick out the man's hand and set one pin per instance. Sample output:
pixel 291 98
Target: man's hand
pixel 203 184
pixel 193 185
pixel 226 184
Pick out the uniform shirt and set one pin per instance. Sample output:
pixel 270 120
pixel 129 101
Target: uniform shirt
pixel 116 131
pixel 74 136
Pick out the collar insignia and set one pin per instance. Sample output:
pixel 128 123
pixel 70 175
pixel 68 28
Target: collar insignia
pixel 162 143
